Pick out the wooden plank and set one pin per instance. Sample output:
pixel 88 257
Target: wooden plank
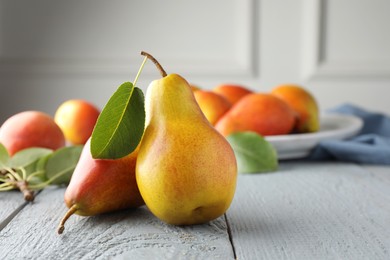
pixel 131 234
pixel 311 211
pixel 11 202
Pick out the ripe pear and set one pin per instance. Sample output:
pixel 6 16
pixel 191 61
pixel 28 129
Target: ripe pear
pixel 303 103
pixel 101 185
pixel 31 129
pixel 186 171
pixel 213 105
pixel 77 118
pixel 262 113
pixel 232 92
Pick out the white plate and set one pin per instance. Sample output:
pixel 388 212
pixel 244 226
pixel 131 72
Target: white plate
pixel 332 127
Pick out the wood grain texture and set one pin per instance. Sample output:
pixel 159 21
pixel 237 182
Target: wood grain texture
pixel 9 202
pixel 312 211
pixel 302 211
pixel 131 234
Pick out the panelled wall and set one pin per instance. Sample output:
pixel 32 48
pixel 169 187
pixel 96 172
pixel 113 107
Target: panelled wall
pixel 51 51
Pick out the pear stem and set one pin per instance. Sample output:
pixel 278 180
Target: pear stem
pixel 69 213
pixel 24 188
pixel 159 67
pixel 27 193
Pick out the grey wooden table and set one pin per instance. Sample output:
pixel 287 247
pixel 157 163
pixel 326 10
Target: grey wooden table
pixel 302 211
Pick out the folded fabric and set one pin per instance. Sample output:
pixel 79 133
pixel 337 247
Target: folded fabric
pixel 370 146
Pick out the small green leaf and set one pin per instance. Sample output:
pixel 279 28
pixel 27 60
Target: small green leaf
pixel 4 156
pixel 121 123
pixel 61 164
pixel 40 166
pixel 253 153
pixel 25 160
pixel 28 157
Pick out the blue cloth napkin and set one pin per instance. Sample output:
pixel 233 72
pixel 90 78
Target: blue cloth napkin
pixel 370 146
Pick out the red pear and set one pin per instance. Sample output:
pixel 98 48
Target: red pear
pixel 30 129
pixel 100 186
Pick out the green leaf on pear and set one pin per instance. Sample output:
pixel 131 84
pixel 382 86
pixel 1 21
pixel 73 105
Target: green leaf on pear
pixel 121 123
pixel 60 165
pixel 254 154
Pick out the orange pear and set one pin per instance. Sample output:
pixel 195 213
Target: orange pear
pixel 303 103
pixel 213 105
pixel 262 113
pixel 232 92
pixel 77 118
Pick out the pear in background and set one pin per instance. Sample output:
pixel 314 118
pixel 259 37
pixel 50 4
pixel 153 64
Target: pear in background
pixel 213 105
pixel 99 186
pixel 261 113
pixel 232 92
pixel 186 171
pixel 303 103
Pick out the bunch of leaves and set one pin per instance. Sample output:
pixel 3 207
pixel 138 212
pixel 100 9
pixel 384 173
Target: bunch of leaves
pixel 33 169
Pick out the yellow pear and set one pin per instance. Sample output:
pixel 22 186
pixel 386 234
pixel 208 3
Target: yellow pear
pixel 186 171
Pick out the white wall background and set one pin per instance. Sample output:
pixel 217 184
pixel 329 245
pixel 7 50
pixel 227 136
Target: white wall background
pixel 52 50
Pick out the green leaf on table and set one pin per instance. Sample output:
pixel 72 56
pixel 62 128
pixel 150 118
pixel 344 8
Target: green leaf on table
pixel 4 156
pixel 27 158
pixel 253 153
pixel 61 164
pixel 121 123
pixel 40 166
